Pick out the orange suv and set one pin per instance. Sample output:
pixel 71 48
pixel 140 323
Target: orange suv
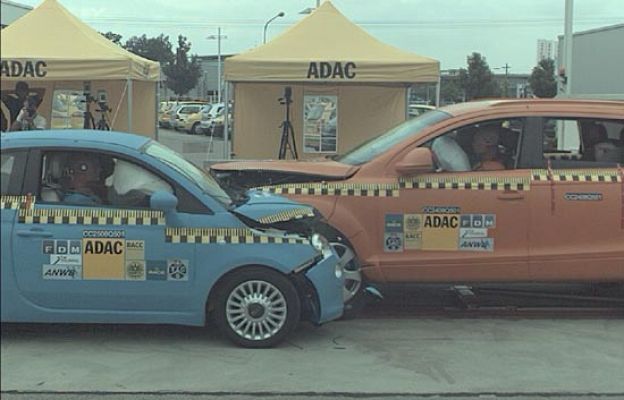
pixel 490 191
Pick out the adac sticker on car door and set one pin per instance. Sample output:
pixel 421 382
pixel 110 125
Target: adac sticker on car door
pixel 439 229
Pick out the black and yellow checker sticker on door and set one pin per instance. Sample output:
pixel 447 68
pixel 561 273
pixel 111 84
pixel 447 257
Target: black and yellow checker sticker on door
pixel 335 189
pixel 465 183
pixel 91 217
pixel 16 202
pixel 609 175
pixel 284 216
pixel 226 236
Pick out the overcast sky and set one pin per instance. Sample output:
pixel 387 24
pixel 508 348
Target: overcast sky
pixel 504 31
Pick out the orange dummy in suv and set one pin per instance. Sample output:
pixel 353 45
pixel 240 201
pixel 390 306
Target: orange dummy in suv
pixel 491 191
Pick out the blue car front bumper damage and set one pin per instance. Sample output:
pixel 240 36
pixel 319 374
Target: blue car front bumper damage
pixel 321 290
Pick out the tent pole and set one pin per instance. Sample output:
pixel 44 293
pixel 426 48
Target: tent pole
pixel 438 93
pixel 157 105
pixel 408 96
pixel 130 90
pixel 226 121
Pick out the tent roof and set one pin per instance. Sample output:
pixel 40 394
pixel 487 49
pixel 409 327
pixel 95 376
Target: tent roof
pixel 50 33
pixel 328 36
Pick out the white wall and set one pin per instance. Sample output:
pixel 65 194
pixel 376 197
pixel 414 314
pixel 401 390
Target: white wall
pixel 597 61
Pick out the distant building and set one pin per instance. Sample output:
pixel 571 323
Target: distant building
pixel 517 84
pixel 207 85
pixel 597 63
pixel 546 49
pixel 10 11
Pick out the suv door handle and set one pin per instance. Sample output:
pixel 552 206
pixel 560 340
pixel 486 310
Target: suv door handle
pixel 510 195
pixel 34 233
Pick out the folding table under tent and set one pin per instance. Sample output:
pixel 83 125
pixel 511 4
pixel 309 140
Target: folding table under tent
pixel 344 83
pixel 52 50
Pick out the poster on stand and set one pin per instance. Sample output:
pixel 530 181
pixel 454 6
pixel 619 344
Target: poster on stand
pixel 320 122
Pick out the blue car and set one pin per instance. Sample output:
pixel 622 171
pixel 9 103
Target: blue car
pixel 117 228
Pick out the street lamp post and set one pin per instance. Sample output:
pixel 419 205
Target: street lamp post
pixel 506 67
pixel 218 38
pixel 281 14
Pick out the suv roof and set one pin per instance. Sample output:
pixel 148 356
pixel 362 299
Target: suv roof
pixel 533 105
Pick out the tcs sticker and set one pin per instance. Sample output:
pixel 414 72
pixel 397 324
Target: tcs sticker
pixel 177 270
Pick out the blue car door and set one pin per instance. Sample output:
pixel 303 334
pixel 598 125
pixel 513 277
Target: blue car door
pixel 112 256
pixel 12 168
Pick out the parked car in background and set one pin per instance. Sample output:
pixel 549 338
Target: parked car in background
pixel 414 110
pixel 190 123
pixel 208 116
pixel 118 228
pixel 180 114
pixel 166 114
pixel 490 191
pixel 217 125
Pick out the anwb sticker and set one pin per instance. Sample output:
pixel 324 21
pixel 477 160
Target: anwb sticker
pixel 61 272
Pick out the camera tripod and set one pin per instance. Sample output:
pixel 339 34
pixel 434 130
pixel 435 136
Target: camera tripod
pixel 287 141
pixel 89 122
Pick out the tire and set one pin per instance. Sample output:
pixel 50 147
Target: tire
pixel 242 304
pixel 352 293
pixel 195 129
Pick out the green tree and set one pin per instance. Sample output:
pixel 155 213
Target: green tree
pixel 183 73
pixel 153 48
pixel 113 37
pixel 542 79
pixel 478 81
pixel 450 91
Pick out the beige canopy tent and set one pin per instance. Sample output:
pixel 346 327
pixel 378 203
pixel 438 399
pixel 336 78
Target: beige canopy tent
pixel 346 87
pixel 58 55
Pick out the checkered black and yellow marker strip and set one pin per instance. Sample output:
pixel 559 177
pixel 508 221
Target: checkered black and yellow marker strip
pixel 91 217
pixel 465 183
pixel 335 189
pixel 287 215
pixel 610 175
pixel 225 235
pixel 563 156
pixel 16 202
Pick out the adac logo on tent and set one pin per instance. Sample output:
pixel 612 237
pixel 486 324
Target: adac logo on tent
pixel 25 69
pixel 337 70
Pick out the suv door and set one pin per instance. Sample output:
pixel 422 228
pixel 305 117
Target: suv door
pixel 576 200
pixel 76 256
pixel 467 222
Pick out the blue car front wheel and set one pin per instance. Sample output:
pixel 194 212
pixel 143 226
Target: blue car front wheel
pixel 257 307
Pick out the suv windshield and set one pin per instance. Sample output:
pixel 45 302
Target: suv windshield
pixel 380 144
pixel 200 178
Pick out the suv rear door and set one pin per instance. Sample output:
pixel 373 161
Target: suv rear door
pixel 577 200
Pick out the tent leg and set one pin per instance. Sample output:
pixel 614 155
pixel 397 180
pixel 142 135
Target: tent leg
pixel 408 96
pixel 226 122
pixel 157 105
pixel 130 90
pixel 438 93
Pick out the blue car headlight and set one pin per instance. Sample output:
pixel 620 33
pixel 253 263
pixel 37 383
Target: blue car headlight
pixel 320 243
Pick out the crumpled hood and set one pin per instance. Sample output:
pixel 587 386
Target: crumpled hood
pixel 330 169
pixel 269 208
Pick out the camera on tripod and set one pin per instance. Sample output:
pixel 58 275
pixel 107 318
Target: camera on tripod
pixel 287 141
pixel 287 99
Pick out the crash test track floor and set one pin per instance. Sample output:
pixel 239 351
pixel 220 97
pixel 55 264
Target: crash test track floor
pixel 386 352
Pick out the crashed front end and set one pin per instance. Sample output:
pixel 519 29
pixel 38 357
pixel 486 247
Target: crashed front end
pixel 320 279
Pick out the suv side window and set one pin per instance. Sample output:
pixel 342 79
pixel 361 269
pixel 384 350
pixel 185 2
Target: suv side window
pixel 573 142
pixel 12 167
pixel 485 146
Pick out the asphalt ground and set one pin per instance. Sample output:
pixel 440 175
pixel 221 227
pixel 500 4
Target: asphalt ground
pixel 390 351
pixel 198 149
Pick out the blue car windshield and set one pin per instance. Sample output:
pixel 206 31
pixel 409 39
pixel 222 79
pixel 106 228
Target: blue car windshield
pixel 200 178
pixel 382 143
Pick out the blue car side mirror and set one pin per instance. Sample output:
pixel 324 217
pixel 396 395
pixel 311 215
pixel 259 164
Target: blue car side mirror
pixel 163 201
